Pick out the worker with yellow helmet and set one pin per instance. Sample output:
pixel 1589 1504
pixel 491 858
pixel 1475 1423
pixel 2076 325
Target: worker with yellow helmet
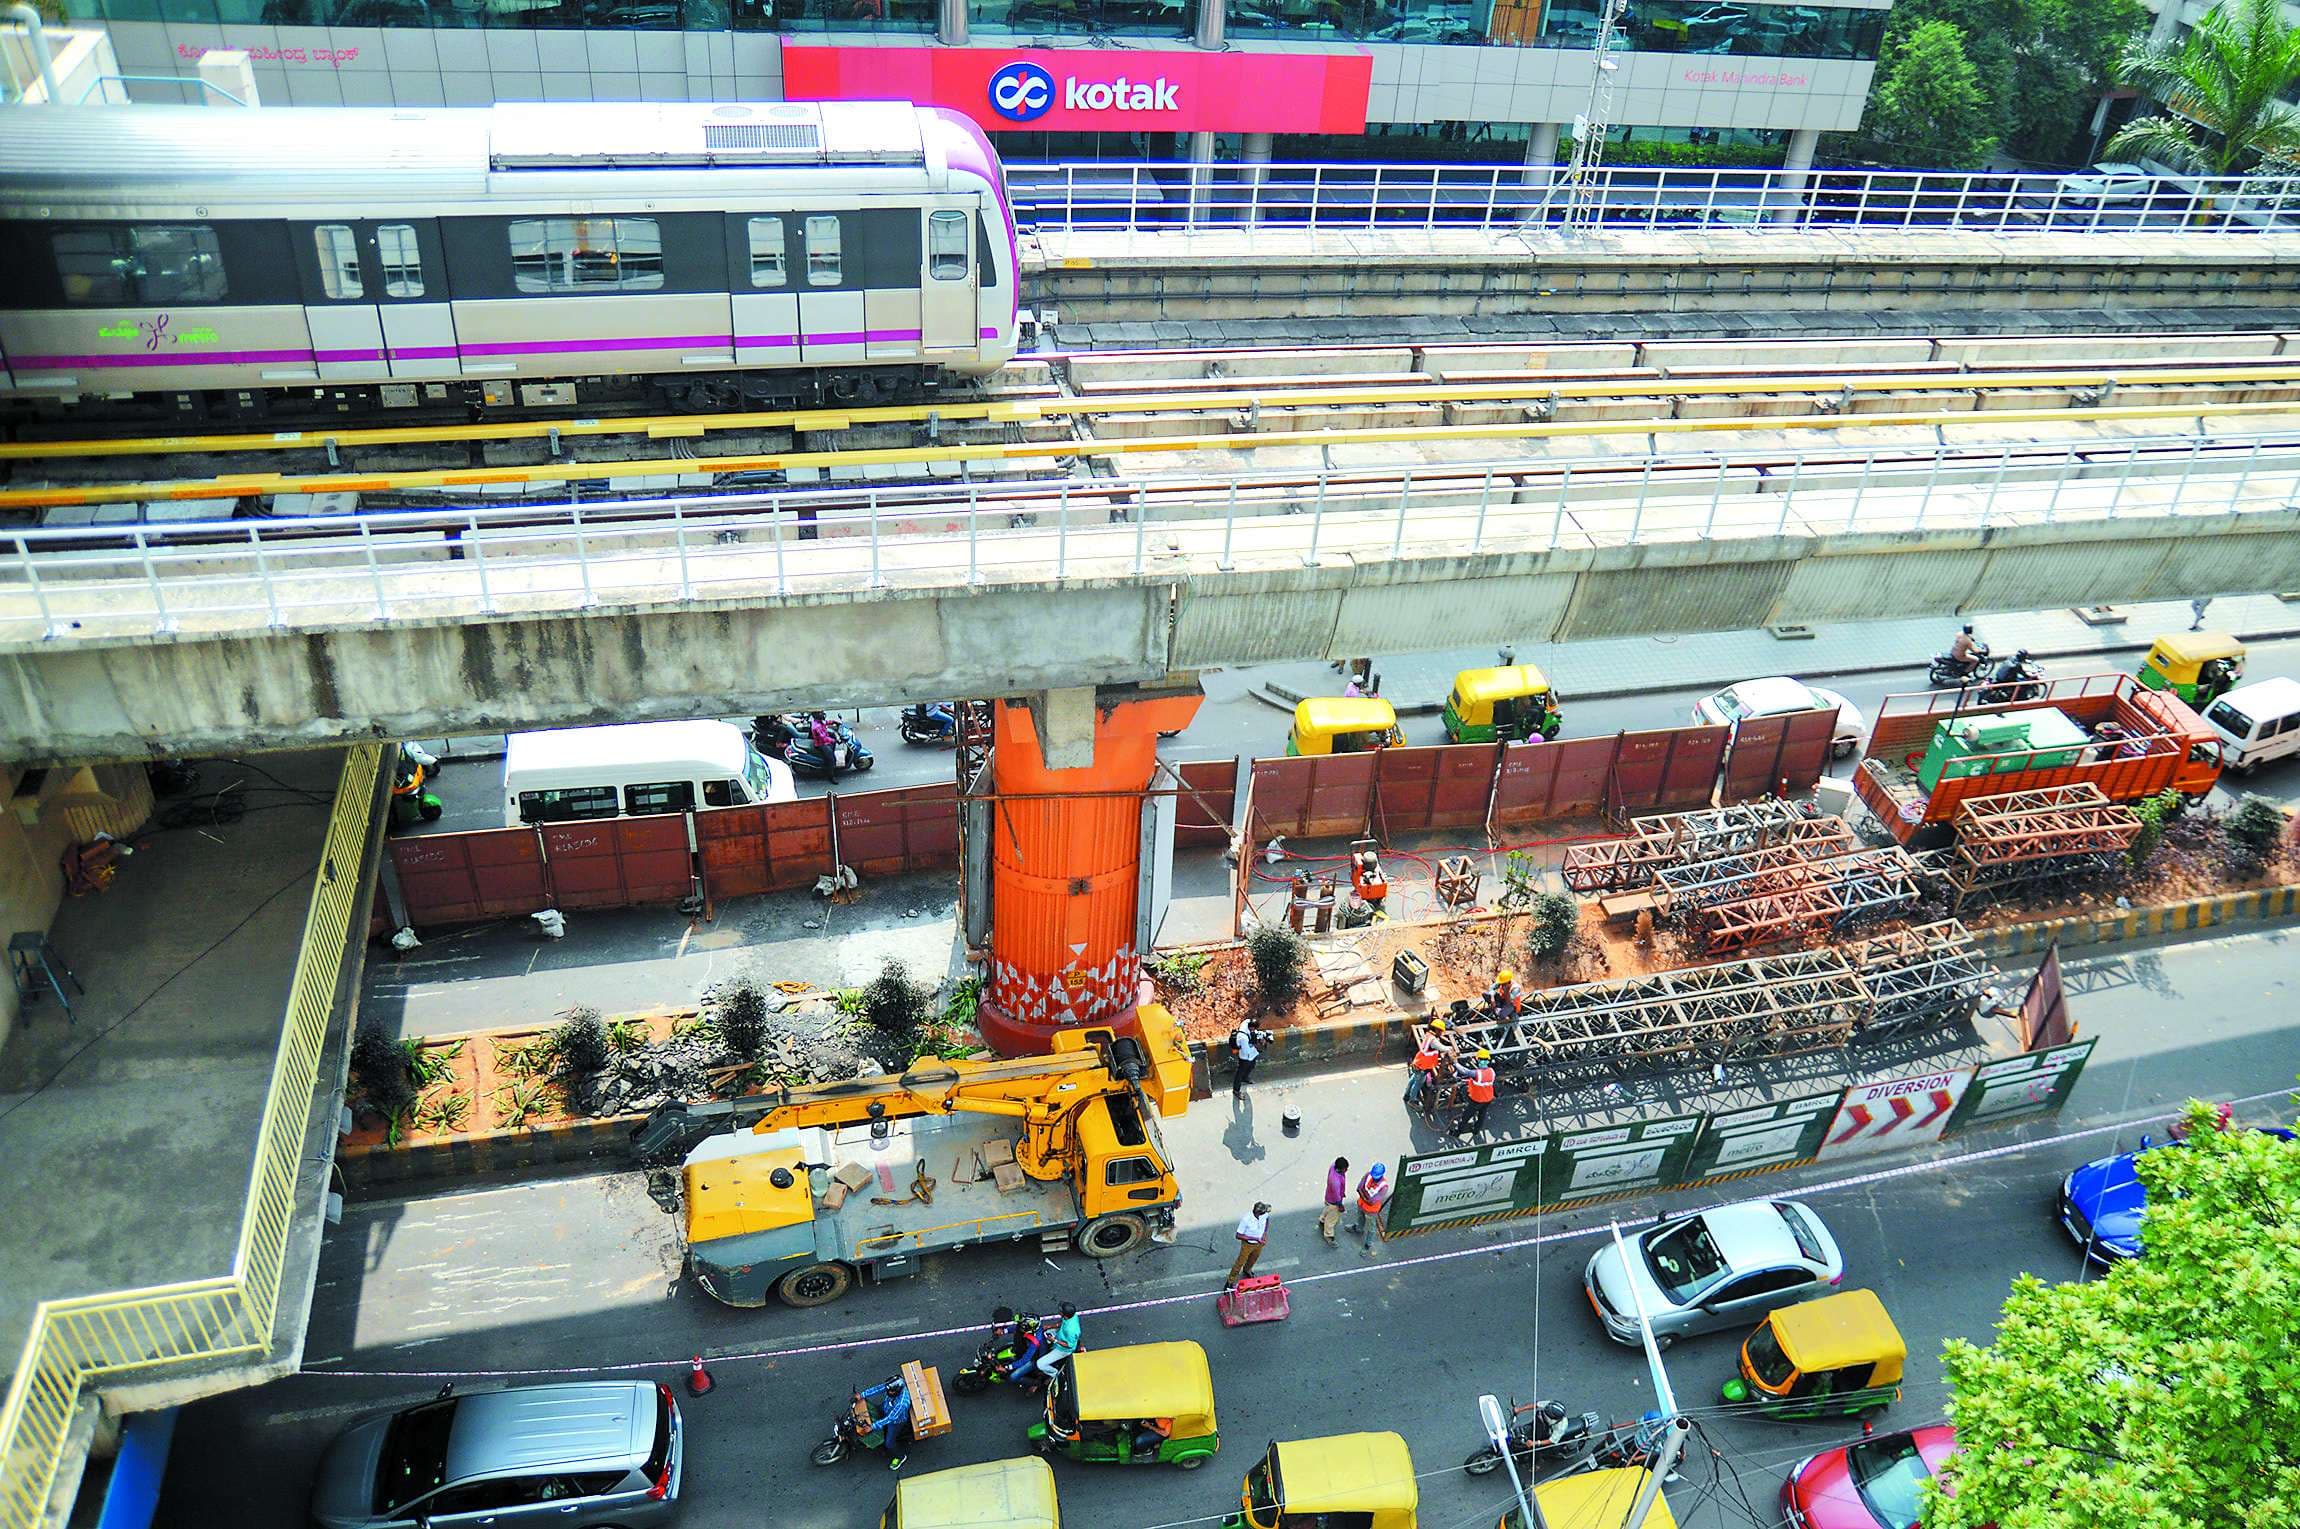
pixel 1433 1049
pixel 1501 1000
pixel 1477 1082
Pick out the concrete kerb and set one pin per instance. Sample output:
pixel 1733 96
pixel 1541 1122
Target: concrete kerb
pixel 1271 693
pixel 1368 1037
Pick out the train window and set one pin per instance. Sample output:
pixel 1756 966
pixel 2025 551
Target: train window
pixel 767 253
pixel 338 260
pixel 946 246
pixel 985 268
pixel 402 260
pixel 586 254
pixel 140 263
pixel 823 252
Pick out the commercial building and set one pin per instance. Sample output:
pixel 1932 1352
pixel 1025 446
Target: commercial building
pixel 1727 80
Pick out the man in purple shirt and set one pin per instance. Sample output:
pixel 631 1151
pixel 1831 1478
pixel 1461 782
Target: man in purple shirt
pixel 1337 1196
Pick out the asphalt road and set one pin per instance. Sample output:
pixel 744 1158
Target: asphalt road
pixel 580 1273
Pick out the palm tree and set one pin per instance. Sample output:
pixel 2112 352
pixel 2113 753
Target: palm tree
pixel 2225 81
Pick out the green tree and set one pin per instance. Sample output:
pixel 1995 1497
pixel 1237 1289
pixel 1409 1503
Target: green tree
pixel 2222 84
pixel 1927 110
pixel 2163 1395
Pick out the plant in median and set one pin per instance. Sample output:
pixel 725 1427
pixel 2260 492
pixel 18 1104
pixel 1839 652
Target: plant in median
pixel 848 1001
pixel 2253 829
pixel 446 1110
pixel 626 1035
pixel 1520 881
pixel 1179 973
pixel 1556 920
pixel 386 1082
pixel 1278 955
pixel 893 1002
pixel 579 1044
pixel 519 1103
pixel 738 1010
pixel 2152 811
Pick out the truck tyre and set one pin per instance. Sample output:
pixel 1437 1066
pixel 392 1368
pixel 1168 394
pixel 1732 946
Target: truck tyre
pixel 815 1285
pixel 1108 1236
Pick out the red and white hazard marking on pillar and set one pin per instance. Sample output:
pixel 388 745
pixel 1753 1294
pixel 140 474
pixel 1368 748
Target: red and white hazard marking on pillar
pixel 1899 1112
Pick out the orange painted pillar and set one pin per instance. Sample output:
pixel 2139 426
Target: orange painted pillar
pixel 1066 865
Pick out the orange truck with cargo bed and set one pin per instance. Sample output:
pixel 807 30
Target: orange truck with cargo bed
pixel 1932 751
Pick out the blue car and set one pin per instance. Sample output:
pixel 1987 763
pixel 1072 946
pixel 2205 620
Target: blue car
pixel 2101 1202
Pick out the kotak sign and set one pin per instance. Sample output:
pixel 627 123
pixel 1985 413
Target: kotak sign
pixel 1125 91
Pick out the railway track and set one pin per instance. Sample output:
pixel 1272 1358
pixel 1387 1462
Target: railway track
pixel 1037 423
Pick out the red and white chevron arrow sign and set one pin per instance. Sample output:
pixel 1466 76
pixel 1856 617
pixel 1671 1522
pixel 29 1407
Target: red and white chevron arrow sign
pixel 1899 1113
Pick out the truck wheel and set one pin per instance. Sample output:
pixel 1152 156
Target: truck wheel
pixel 1111 1235
pixel 815 1285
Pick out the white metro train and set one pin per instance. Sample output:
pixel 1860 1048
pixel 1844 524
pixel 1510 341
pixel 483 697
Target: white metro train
pixel 185 263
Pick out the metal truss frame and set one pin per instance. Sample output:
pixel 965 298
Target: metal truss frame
pixel 1682 838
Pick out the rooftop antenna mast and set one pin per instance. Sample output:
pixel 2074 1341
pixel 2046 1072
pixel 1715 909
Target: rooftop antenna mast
pixel 1595 124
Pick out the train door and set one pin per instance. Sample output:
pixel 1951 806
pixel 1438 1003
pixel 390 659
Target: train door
pixel 418 322
pixel 766 310
pixel 340 305
pixel 946 308
pixel 831 327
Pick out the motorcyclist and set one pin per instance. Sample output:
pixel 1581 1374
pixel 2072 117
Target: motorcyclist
pixel 1026 1337
pixel 819 729
pixel 2012 670
pixel 1062 1345
pixel 1961 648
pixel 888 1408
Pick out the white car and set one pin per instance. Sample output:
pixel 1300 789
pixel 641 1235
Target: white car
pixel 1726 1267
pixel 2111 182
pixel 1779 696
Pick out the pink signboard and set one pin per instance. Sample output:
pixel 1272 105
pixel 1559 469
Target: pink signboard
pixel 1108 90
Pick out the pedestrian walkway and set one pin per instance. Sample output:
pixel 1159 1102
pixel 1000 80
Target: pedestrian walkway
pixel 1628 666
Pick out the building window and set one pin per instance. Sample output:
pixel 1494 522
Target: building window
pixel 586 254
pixel 1082 18
pixel 914 17
pixel 767 253
pixel 338 260
pixel 946 246
pixel 1720 26
pixel 402 260
pixel 822 252
pixel 140 263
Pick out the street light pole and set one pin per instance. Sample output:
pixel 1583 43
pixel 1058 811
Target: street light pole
pixel 1672 1446
pixel 1497 1429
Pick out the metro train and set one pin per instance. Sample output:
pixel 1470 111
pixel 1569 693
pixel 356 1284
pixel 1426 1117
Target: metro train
pixel 189 263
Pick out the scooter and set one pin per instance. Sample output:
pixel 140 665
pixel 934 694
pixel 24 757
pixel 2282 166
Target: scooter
pixel 847 755
pixel 851 1429
pixel 1010 1337
pixel 773 733
pixel 929 722
pixel 1946 671
pixel 1586 1447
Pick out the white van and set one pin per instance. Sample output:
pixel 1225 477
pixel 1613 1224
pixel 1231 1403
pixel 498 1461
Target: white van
pixel 634 769
pixel 2257 723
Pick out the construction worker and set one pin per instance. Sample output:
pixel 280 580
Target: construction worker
pixel 1433 1049
pixel 1501 1000
pixel 1367 880
pixel 1478 1081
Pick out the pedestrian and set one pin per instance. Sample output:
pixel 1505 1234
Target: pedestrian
pixel 1373 1194
pixel 1433 1049
pixel 1063 1344
pixel 1253 1232
pixel 1478 1080
pixel 1246 1045
pixel 1337 1196
pixel 2196 608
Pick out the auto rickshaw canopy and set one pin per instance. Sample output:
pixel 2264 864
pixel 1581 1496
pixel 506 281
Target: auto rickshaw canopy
pixel 1478 689
pixel 1370 1473
pixel 1839 1331
pixel 1002 1494
pixel 1148 1380
pixel 1320 719
pixel 2189 649
pixel 1597 1500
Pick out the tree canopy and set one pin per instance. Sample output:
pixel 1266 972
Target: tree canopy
pixel 2223 85
pixel 2164 1394
pixel 1927 106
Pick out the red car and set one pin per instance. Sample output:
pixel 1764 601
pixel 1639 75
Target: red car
pixel 1866 1485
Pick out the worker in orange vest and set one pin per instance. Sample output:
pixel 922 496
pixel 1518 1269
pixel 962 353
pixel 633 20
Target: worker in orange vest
pixel 1479 1084
pixel 1433 1049
pixel 1501 999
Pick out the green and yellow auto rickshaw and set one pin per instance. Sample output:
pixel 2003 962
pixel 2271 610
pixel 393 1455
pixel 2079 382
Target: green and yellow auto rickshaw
pixel 1002 1494
pixel 2198 667
pixel 1334 724
pixel 1512 705
pixel 1149 1404
pixel 1593 1500
pixel 1837 1355
pixel 1364 1480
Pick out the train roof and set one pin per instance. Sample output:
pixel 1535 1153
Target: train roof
pixel 67 149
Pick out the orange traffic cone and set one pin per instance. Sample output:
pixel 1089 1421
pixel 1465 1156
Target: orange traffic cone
pixel 699 1381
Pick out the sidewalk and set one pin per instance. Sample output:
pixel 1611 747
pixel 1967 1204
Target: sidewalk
pixel 1631 666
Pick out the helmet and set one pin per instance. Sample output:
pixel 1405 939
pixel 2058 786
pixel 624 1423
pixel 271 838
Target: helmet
pixel 1505 975
pixel 1553 1413
pixel 1484 1055
pixel 1378 1171
pixel 2021 655
pixel 1437 1024
pixel 1968 629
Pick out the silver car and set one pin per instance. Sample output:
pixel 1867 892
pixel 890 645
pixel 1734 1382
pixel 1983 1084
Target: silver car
pixel 1719 1268
pixel 593 1453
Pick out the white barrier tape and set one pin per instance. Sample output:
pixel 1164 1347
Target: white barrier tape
pixel 1385 1268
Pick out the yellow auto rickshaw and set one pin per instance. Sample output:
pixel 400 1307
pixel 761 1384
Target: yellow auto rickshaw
pixel 1839 1354
pixel 1361 1479
pixel 1332 724
pixel 1593 1500
pixel 1003 1494
pixel 1148 1404
pixel 1512 705
pixel 2198 667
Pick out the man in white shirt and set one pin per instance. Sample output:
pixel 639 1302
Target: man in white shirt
pixel 1253 1233
pixel 1245 1050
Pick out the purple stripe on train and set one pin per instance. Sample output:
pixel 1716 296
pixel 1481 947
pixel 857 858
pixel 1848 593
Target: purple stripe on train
pixel 156 358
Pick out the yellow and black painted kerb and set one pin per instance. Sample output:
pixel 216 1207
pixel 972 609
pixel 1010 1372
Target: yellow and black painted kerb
pixel 369 1165
pixel 2262 903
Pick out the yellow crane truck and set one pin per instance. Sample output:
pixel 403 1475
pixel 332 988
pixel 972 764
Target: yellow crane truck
pixel 798 1193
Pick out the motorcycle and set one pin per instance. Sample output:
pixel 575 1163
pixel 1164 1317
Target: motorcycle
pixel 852 1429
pixel 773 733
pixel 2016 679
pixel 846 756
pixel 1010 1336
pixel 1946 671
pixel 1554 1443
pixel 928 722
